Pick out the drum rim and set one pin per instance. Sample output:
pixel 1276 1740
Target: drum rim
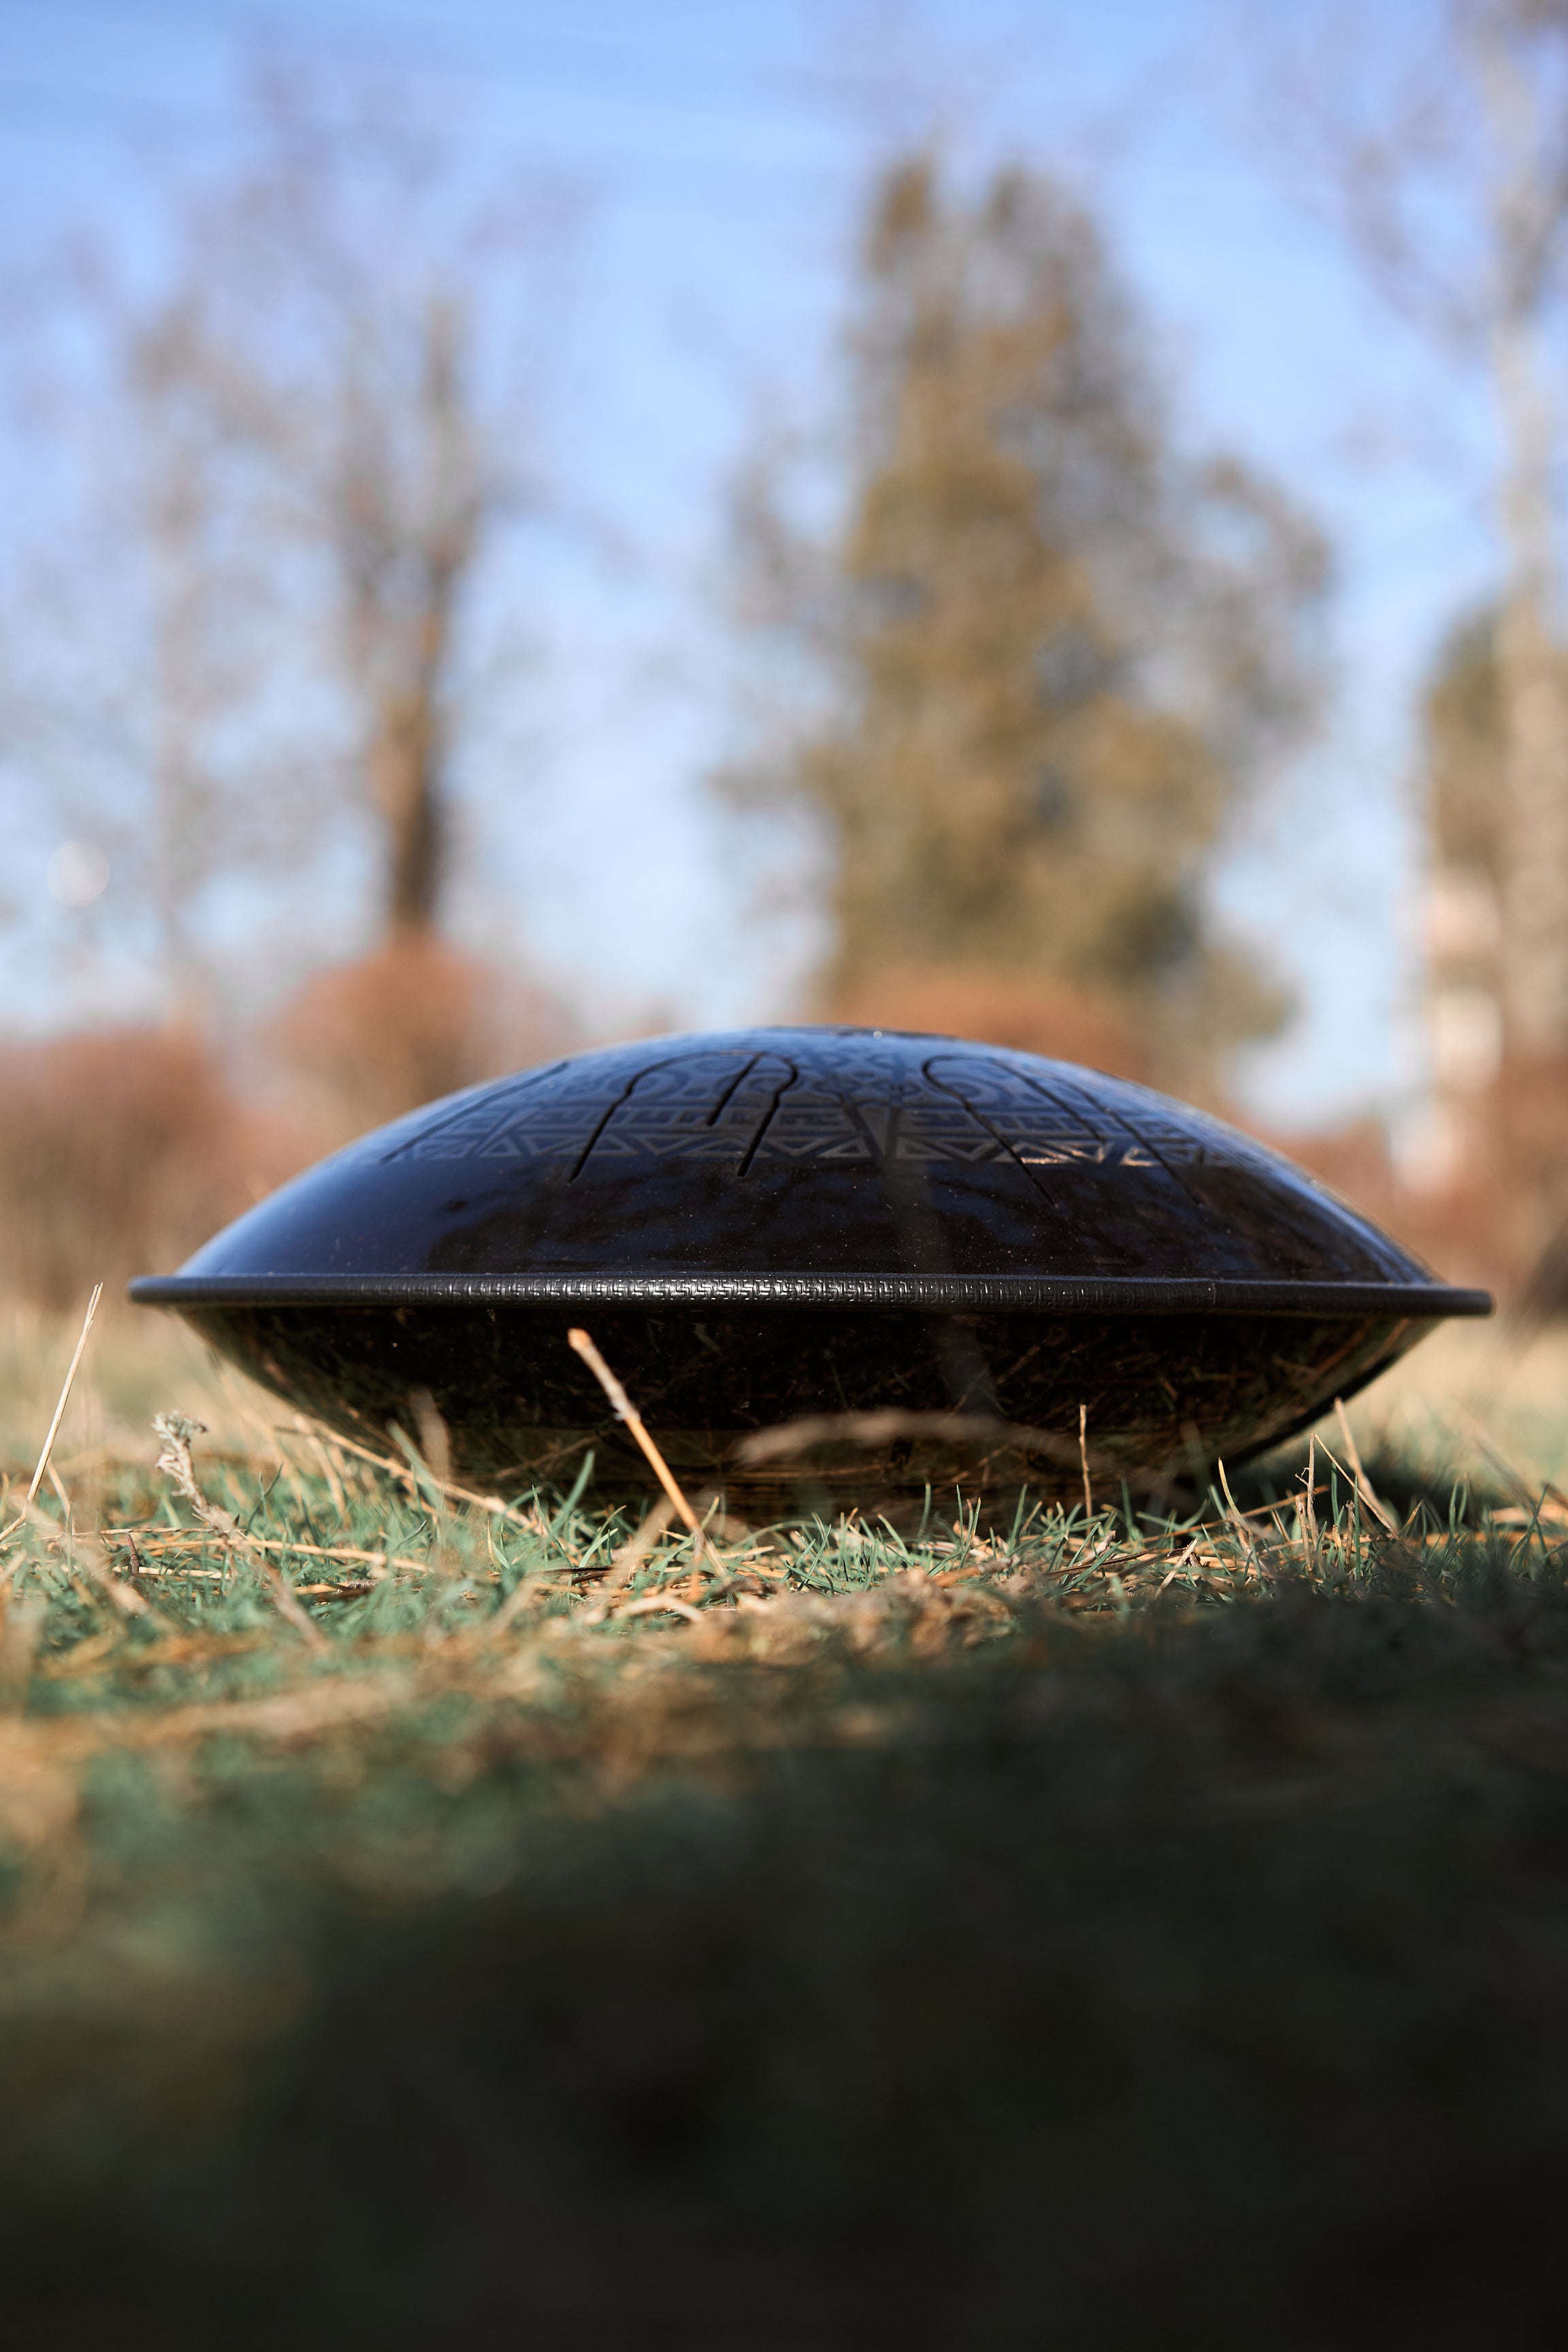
pixel 1024 1294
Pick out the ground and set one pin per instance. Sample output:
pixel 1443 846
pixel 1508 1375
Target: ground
pixel 422 1926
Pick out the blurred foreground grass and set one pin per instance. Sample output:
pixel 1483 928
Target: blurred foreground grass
pixel 419 1929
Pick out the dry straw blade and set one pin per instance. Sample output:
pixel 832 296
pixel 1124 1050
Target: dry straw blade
pixel 1363 1485
pixel 626 1410
pixel 65 1392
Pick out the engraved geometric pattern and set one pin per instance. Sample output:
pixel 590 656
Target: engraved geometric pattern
pixel 740 1108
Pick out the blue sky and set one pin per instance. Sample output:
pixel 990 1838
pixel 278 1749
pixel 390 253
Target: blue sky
pixel 717 155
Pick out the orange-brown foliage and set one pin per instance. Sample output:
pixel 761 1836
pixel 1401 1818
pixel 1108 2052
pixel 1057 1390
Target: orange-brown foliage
pixel 1477 1228
pixel 1511 1201
pixel 413 1019
pixel 121 1149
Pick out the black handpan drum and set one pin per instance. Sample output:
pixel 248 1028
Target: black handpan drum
pixel 830 1265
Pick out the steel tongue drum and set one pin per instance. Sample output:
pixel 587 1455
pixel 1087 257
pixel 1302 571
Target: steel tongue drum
pixel 831 1266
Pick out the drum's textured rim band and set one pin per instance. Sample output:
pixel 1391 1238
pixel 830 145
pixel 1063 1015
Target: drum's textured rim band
pixel 1022 1293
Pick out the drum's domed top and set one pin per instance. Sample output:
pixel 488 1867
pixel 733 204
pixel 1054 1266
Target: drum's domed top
pixel 813 1165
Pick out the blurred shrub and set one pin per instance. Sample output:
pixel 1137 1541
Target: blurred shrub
pixel 120 1151
pixel 1500 1218
pixel 124 1149
pixel 1465 1229
pixel 413 1019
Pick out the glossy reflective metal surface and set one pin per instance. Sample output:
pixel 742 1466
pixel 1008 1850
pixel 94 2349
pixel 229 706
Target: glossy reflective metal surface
pixel 777 1223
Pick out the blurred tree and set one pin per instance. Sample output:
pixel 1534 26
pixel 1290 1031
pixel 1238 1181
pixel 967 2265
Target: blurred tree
pixel 139 627
pixel 319 427
pixel 1444 166
pixel 1465 766
pixel 340 320
pixel 1044 653
pixel 1500 1147
pixel 189 513
pixel 300 439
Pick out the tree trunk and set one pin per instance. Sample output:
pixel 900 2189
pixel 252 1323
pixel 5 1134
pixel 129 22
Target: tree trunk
pixel 1535 717
pixel 1528 209
pixel 405 774
pixel 403 649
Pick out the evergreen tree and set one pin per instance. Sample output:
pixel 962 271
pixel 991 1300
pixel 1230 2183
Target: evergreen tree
pixel 1050 656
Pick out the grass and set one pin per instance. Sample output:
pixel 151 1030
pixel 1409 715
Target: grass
pixel 1120 1935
